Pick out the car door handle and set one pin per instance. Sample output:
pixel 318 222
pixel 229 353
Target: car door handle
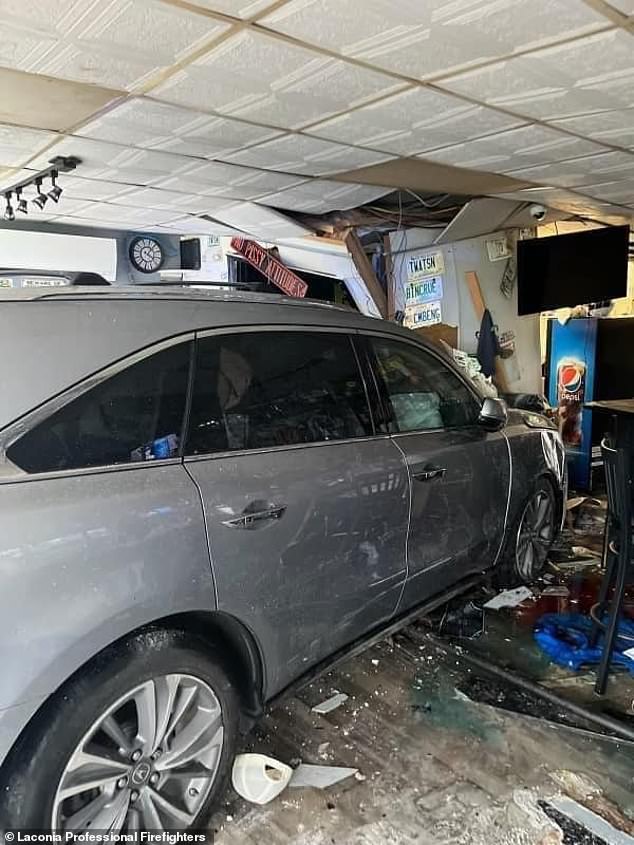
pixel 255 518
pixel 426 473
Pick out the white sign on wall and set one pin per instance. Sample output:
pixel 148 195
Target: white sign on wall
pixel 498 248
pixel 429 264
pixel 419 316
pixel 425 290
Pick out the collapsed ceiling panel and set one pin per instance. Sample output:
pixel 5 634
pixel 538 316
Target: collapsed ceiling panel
pixel 320 196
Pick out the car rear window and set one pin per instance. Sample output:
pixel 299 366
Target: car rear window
pixel 135 415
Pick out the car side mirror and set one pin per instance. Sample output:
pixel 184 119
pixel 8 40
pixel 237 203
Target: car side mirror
pixel 493 414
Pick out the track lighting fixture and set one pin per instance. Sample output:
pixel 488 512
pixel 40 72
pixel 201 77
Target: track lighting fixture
pixel 41 199
pixel 23 206
pixel 57 165
pixel 9 213
pixel 55 192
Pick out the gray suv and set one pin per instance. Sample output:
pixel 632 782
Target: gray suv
pixel 203 498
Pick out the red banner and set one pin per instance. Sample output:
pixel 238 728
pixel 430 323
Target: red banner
pixel 270 267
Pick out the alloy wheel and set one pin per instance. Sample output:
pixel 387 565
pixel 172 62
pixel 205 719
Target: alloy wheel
pixel 148 762
pixel 535 534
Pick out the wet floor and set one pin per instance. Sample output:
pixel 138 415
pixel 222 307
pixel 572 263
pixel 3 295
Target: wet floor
pixel 434 766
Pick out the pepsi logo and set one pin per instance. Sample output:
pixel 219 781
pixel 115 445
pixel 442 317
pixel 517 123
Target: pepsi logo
pixel 570 378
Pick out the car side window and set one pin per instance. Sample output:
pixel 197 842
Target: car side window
pixel 261 389
pixel 422 391
pixel 135 415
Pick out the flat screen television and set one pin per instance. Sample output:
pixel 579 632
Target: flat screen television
pixel 567 270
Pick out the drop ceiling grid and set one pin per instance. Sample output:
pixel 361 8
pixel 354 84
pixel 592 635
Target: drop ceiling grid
pixel 359 78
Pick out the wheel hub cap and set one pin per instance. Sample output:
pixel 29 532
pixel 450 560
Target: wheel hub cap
pixel 141 773
pixel 535 534
pixel 148 762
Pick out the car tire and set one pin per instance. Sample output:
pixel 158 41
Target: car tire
pixel 529 539
pixel 107 708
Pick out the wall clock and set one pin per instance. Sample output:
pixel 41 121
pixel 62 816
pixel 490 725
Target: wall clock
pixel 146 255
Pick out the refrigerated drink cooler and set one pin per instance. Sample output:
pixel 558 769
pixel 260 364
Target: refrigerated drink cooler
pixel 588 359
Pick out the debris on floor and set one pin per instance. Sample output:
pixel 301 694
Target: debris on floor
pixel 320 777
pixel 258 778
pixel 330 704
pixel 509 598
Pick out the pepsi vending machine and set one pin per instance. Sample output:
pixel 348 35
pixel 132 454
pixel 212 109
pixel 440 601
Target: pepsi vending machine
pixel 571 383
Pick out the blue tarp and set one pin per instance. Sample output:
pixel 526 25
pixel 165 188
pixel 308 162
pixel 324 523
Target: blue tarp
pixel 565 638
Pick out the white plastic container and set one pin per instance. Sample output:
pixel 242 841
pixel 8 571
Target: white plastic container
pixel 259 778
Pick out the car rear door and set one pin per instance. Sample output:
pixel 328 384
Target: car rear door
pixel 306 509
pixel 459 472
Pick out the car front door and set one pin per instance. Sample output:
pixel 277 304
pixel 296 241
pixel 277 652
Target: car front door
pixel 459 472
pixel 306 508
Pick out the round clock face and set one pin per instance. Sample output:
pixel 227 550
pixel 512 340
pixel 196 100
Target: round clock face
pixel 146 255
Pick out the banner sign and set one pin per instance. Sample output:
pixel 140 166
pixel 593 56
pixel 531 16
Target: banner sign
pixel 270 267
pixel 427 290
pixel 430 264
pixel 419 316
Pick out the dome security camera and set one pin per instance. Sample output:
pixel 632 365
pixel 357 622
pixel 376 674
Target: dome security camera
pixel 537 211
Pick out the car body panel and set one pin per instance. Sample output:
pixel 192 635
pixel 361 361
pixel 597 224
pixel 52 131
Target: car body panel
pixel 535 453
pixel 87 558
pixel 332 567
pixel 455 530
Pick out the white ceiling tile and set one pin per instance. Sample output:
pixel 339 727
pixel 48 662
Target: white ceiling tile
pixel 320 196
pixel 589 75
pixel 115 163
pixel 236 8
pixel 123 214
pixel 587 170
pixel 230 180
pixel 620 192
pixel 89 189
pixel 611 127
pixel 474 123
pixel 307 155
pixel 523 147
pixel 625 6
pixel 114 43
pixel 272 82
pixel 143 122
pixel 125 225
pixel 422 39
pixel 261 222
pixel 191 225
pixel 413 121
pixel 18 145
pixel 160 198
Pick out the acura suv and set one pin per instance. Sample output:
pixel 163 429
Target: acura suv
pixel 203 498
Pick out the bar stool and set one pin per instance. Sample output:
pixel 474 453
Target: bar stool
pixel 618 557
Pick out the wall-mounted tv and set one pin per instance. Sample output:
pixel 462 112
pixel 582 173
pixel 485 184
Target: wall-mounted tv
pixel 567 270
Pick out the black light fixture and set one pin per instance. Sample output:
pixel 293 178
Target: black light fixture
pixel 23 206
pixel 55 192
pixel 41 199
pixel 9 213
pixel 57 165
